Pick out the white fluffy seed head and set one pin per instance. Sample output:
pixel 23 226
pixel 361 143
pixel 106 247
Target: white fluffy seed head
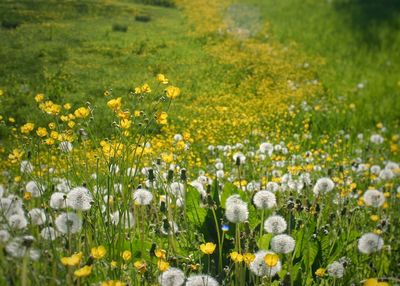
pixel 275 224
pixel 48 233
pixel 370 243
pixel 79 198
pixel 172 277
pixel 17 221
pixel 68 223
pixel 66 146
pixel 142 197
pixel 283 243
pixel 374 198
pixel 259 268
pixel 236 210
pixel 37 216
pixel 58 201
pixel 323 185
pixel 177 190
pixel 201 280
pixel 34 188
pixel 264 200
pixel 4 236
pixel 26 167
pixel 376 139
pixel 335 269
pixel 127 219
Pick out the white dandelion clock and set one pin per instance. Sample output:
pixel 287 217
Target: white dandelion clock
pixel 68 223
pixel 58 201
pixel 272 187
pixel 386 174
pixel 169 227
pixel 335 269
pixel 126 219
pixel 48 233
pixel 66 146
pixel 34 188
pixel 79 198
pixel 37 216
pixel 177 190
pixel 17 221
pixel 264 200
pixel 283 243
pixel 259 268
pixel 370 243
pixel 4 236
pixel 199 187
pixel 236 210
pixel 275 224
pixel 172 277
pixel 266 148
pixel 26 167
pixel 239 157
pixel 142 197
pixel 220 174
pixel 323 185
pixel 374 198
pixel 376 139
pixel 201 280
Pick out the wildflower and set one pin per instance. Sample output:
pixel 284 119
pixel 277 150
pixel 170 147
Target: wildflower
pixel 68 223
pixel 161 118
pixel 79 198
pixel 335 269
pixel 39 97
pixel 236 257
pixel 162 79
pixel 172 277
pixel 369 243
pixel 208 248
pixel 142 197
pixel 145 88
pixel 48 233
pixel 73 260
pixel 27 128
pixel 126 255
pixel 113 283
pixel 140 266
pixel 266 147
pixel 320 272
pixel 162 265
pixel 248 258
pixel 160 253
pixel 201 280
pixel 264 200
pixel 34 188
pixel 376 139
pixel 239 158
pixel 374 217
pixel 172 92
pixel 236 210
pixel 15 156
pixel 374 282
pixel 58 201
pixel 259 266
pixel 21 246
pixel 282 243
pixel 84 271
pixel 177 190
pixel 374 198
pixel 98 252
pixel 42 132
pixel 125 123
pixel 17 221
pixel 82 112
pixel 323 185
pixel 115 104
pixel 275 224
pixel 4 236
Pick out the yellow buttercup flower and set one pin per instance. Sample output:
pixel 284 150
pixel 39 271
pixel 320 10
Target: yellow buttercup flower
pixel 126 255
pixel 73 260
pixel 162 265
pixel 271 259
pixel 84 271
pixel 82 112
pixel 236 257
pixel 125 123
pixel 140 266
pixel 161 118
pixel 41 132
pixel 39 97
pixel 374 217
pixel 98 252
pixel 374 282
pixel 208 248
pixel 115 104
pixel 145 88
pixel 172 92
pixel 162 79
pixel 320 272
pixel 27 128
pixel 113 283
pixel 15 156
pixel 160 253
pixel 248 258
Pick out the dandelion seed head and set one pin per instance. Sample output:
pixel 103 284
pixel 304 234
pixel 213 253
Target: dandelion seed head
pixel 264 200
pixel 259 268
pixel 323 185
pixel 68 222
pixel 335 269
pixel 374 198
pixel 142 197
pixel 172 277
pixel 283 243
pixel 201 280
pixel 79 198
pixel 275 224
pixel 370 243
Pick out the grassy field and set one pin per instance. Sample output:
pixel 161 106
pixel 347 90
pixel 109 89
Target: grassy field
pixel 199 142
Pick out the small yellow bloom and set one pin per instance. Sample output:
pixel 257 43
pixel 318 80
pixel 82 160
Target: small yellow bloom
pixel 145 88
pixel 67 106
pixel 162 79
pixel 271 259
pixel 126 255
pixel 15 156
pixel 140 266
pixel 71 124
pixel 377 231
pixel 49 141
pixel 41 132
pixel 160 253
pixel 248 258
pixel 39 97
pixel 136 113
pixel 11 119
pixel 172 92
pixel 106 93
pixel 1 92
pixel 236 257
pixel 113 283
pixel 73 260
pixel 82 112
pixel 161 118
pixel 27 196
pixel 137 90
pixel 114 264
pixel 115 104
pixel 162 265
pixel 84 271
pixel 27 128
pixel 98 252
pixel 208 248
pixel 125 123
pixel 18 179
pixel 374 282
pixel 374 217
pixel 320 272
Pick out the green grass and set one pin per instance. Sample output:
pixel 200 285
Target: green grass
pixel 359 42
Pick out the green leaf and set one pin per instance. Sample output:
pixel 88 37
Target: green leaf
pixel 263 242
pixel 195 214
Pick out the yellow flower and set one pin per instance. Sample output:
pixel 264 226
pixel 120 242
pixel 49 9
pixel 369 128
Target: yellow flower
pixel 162 118
pixel 41 132
pixel 115 104
pixel 162 79
pixel 71 124
pixel 167 158
pixel 39 97
pixel 271 259
pixel 126 255
pixel 11 119
pixel 82 112
pixel 136 113
pixel 67 106
pixel 27 128
pixel 52 125
pixel 374 217
pixel 160 253
pixel 15 156
pixel 98 252
pixel 49 141
pixel 320 272
pixel 248 258
pixel 27 196
pixel 125 123
pixel 54 135
pixel 114 264
pixel 106 93
pixel 140 266
pixel 208 248
pixel 236 257
pixel 172 92
pixel 138 90
pixel 1 92
pixel 18 179
pixel 145 88
pixel 113 283
pixel 374 282
pixel 73 260
pixel 162 265
pixel 84 271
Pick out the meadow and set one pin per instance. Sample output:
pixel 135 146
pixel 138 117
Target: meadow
pixel 199 142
